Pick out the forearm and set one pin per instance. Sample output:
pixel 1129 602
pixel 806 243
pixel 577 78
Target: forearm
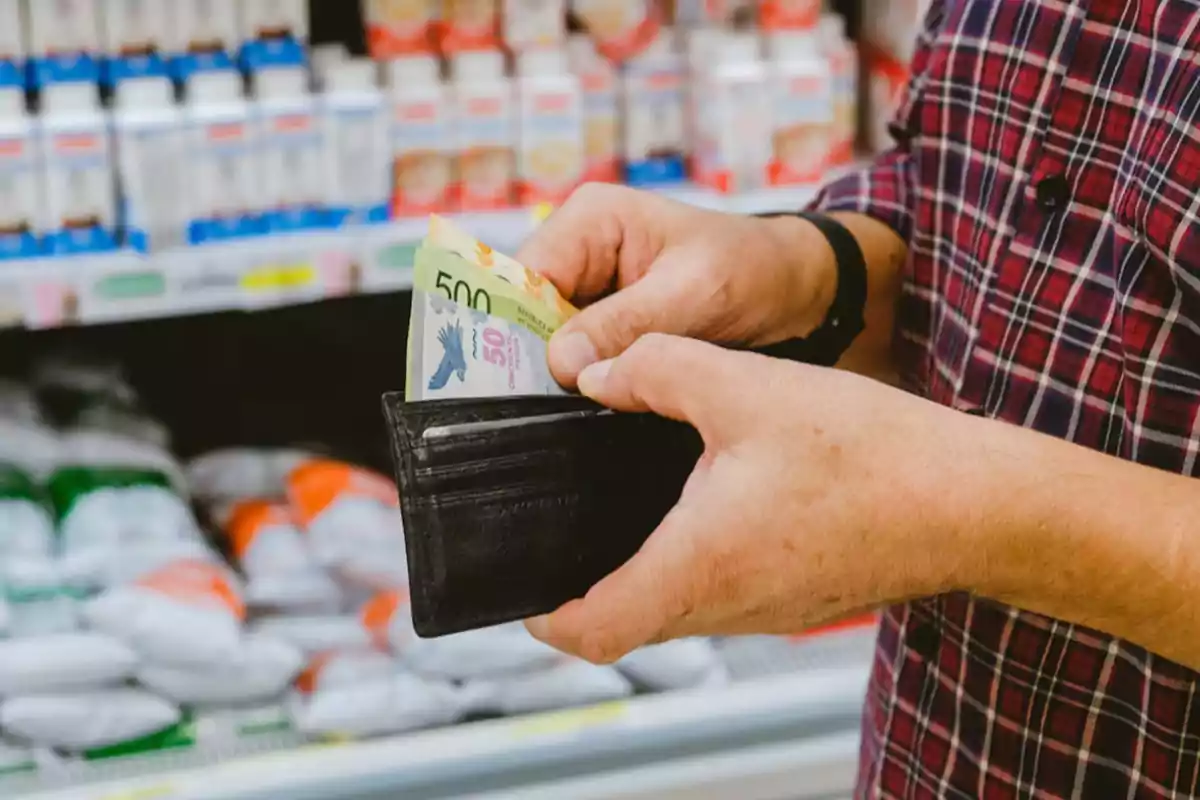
pixel 816 270
pixel 1088 538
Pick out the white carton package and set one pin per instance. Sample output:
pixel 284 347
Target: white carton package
pixel 738 109
pixel 399 703
pixel 842 57
pixel 552 155
pixel 802 96
pixel 600 82
pixel 78 721
pixel 291 149
pixel 188 614
pixel 679 664
pixel 655 103
pixel 12 30
pixel 64 27
pixel 149 137
pixel 486 114
pixel 223 175
pixel 400 27
pixel 137 27
pixel 262 669
pixel 274 19
pixel 63 662
pixel 358 151
pixel 21 202
pixel 563 685
pixel 533 23
pixel 80 201
pixel 315 634
pixel 206 26
pixel 421 133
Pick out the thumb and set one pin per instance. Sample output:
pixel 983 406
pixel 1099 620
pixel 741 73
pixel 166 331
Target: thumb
pixel 682 379
pixel 660 302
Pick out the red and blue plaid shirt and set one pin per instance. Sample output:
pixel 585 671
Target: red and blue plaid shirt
pixel 1048 184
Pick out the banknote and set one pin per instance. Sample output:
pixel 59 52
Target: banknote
pixel 473 331
pixel 444 235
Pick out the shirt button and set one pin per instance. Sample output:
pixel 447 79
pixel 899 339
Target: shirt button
pixel 1052 193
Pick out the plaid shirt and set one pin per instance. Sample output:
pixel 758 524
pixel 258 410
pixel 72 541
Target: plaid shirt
pixel 1048 185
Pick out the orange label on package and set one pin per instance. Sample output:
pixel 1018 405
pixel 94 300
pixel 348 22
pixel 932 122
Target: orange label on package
pixel 314 486
pixel 377 615
pixel 196 583
pixel 780 15
pixel 470 25
pixel 400 27
pixel 250 518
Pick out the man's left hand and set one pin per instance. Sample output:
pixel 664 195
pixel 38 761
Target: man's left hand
pixel 820 494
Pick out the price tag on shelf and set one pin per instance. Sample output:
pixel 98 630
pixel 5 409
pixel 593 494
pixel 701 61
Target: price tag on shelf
pixel 206 278
pixel 114 293
pixel 571 720
pixel 160 791
pixel 285 281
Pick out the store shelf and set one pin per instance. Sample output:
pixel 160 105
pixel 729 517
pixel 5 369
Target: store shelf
pixel 787 727
pixel 273 271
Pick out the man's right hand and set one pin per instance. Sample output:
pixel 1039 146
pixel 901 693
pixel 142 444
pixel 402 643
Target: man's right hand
pixel 641 263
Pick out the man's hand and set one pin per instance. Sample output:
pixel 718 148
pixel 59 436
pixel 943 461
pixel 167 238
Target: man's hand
pixel 642 263
pixel 820 494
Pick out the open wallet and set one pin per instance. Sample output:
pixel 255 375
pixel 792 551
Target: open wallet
pixel 513 506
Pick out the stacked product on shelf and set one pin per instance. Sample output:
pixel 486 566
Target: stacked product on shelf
pixel 167 124
pixel 148 604
pixel 889 34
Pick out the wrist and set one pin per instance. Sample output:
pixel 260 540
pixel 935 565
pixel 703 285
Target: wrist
pixel 807 275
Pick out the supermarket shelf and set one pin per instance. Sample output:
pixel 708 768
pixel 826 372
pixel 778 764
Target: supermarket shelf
pixel 791 733
pixel 274 271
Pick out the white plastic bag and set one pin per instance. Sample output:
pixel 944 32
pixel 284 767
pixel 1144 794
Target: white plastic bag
pixel 41 595
pixel 399 703
pixel 566 684
pixel 86 720
pixel 315 634
pixel 262 669
pixel 29 445
pixel 679 664
pixel 26 527
pixel 345 668
pixel 282 574
pixel 187 614
pixel 352 519
pixel 485 653
pixel 64 661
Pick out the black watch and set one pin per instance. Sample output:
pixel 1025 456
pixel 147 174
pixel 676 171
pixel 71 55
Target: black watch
pixel 845 321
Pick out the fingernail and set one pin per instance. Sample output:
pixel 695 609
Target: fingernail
pixel 538 627
pixel 573 351
pixel 592 379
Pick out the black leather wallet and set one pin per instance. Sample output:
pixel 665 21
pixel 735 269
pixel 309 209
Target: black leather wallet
pixel 514 506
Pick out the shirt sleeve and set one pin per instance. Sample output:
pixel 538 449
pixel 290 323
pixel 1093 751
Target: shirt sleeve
pixel 882 188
